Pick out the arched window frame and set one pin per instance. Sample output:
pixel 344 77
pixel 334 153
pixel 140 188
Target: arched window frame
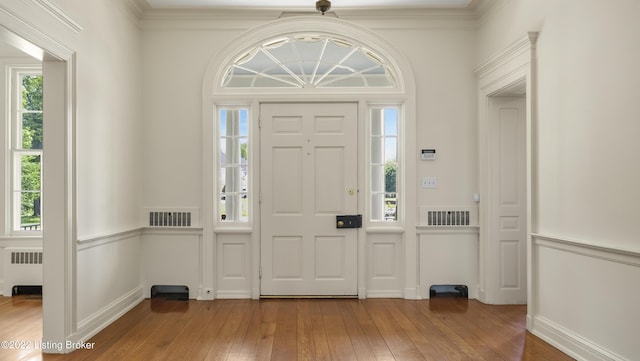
pixel 309 60
pixel 402 93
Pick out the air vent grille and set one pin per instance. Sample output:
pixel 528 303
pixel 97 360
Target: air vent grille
pixel 170 219
pixel 448 218
pixel 26 257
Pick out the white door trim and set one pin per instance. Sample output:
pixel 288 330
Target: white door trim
pixel 59 227
pixel 513 65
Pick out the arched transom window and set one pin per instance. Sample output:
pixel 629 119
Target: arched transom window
pixel 309 61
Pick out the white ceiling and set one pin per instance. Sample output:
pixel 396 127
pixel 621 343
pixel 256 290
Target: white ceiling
pixel 308 4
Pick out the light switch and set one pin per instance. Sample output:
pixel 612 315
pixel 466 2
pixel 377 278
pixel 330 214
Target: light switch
pixel 429 182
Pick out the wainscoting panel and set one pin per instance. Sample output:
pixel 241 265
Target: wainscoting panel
pixel 233 265
pixel 447 256
pixel 172 257
pixel 586 298
pixel 384 265
pixel 108 284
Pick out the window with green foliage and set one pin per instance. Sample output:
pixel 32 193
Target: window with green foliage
pixel 233 159
pixel 27 145
pixel 384 163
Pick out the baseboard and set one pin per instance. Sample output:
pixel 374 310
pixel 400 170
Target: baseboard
pixel 384 294
pixel 95 323
pixel 240 294
pixel 570 343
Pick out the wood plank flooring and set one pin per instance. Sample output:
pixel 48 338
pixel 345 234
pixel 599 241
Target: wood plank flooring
pixel 296 329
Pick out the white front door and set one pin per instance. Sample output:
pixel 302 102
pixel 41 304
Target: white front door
pixel 308 176
pixel 508 207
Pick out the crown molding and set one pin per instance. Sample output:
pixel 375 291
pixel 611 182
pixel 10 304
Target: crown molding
pixel 242 19
pixel 58 14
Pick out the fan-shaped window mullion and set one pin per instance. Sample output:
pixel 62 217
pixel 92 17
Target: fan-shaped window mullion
pixel 265 75
pixel 351 75
pixel 308 60
pixel 282 66
pixel 336 65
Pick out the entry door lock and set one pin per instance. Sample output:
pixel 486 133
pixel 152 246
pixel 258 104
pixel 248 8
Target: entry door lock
pixel 349 221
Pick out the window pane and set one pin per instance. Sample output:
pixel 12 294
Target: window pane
pixel 377 150
pixel 377 207
pixel 390 174
pixel 391 121
pixel 376 122
pixel 32 131
pixel 32 92
pixel 30 180
pixel 391 150
pixel 390 208
pixel 30 172
pixel 377 178
pixel 30 211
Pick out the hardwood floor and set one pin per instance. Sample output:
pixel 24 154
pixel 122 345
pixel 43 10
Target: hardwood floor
pixel 296 329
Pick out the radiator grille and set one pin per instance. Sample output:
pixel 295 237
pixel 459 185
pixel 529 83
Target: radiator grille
pixel 170 219
pixel 26 257
pixel 448 218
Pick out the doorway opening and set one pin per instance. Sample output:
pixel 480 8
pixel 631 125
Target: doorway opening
pixel 57 175
pixel 507 125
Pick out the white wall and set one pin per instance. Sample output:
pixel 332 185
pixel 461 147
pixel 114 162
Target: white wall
pixel 586 197
pixel 109 112
pixel 106 106
pixel 176 53
pixel 109 160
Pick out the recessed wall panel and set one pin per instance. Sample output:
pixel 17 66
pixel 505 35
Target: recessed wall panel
pixel 234 261
pixel 383 262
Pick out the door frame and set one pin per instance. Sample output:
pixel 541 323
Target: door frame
pixel 513 66
pixel 59 224
pixel 215 95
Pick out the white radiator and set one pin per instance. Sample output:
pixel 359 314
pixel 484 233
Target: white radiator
pixel 22 267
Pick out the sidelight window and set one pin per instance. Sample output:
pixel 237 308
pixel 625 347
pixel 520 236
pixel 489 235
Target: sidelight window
pixel 233 159
pixel 384 163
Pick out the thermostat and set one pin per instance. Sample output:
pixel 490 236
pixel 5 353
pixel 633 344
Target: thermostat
pixel 428 154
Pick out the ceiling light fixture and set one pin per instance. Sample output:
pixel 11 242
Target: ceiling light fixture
pixel 323 6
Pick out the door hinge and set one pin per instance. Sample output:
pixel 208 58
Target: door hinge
pixel 260 273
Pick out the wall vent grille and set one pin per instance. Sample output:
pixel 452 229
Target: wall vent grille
pixel 26 257
pixel 448 218
pixel 170 219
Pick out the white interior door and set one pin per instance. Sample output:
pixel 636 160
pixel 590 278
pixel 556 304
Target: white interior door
pixel 508 207
pixel 308 176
